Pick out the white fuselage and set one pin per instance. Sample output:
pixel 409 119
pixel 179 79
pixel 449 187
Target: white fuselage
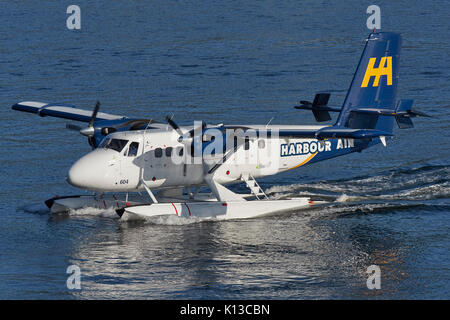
pixel 126 160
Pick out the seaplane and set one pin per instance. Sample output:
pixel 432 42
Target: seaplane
pixel 167 165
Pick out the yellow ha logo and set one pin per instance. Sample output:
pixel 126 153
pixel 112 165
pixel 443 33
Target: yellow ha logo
pixel 384 69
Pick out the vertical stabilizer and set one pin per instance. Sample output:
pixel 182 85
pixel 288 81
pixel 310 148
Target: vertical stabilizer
pixel 374 84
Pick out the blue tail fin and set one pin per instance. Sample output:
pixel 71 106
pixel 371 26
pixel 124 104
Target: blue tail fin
pixel 374 84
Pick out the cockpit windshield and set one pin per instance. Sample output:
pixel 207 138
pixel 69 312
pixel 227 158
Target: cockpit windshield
pixel 114 144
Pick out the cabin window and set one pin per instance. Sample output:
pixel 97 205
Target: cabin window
pixel 158 152
pixel 133 149
pixel 114 144
pixel 169 152
pixel 261 144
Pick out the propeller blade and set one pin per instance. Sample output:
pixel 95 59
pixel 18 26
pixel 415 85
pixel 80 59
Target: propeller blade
pixel 174 125
pixel 73 127
pixel 94 114
pixel 92 142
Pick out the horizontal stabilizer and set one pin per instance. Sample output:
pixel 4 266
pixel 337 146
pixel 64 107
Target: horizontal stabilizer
pixel 321 99
pixel 405 105
pixel 321 115
pixel 417 113
pixel 404 112
pixel 319 107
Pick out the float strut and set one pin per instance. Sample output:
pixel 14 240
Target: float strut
pixel 150 193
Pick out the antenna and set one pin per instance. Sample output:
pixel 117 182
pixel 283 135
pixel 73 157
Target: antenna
pixel 269 122
pixel 149 122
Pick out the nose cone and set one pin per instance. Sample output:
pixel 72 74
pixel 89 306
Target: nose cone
pixel 92 171
pixel 79 174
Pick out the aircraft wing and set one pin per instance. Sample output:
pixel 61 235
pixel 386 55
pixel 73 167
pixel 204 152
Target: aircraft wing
pixel 62 111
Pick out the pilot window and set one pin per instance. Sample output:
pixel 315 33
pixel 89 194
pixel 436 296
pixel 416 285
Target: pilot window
pixel 114 144
pixel 158 152
pixel 133 149
pixel 168 151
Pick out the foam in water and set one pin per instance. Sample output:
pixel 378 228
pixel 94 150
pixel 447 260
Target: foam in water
pixel 343 198
pixel 89 211
pixel 177 221
pixel 171 220
pixel 425 183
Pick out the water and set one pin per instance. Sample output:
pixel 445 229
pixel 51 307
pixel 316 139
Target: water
pixel 232 62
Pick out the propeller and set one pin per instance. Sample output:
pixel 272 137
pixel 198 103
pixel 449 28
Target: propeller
pixel 188 139
pixel 88 131
pixel 192 139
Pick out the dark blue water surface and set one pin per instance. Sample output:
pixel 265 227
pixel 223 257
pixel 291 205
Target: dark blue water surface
pixel 232 62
